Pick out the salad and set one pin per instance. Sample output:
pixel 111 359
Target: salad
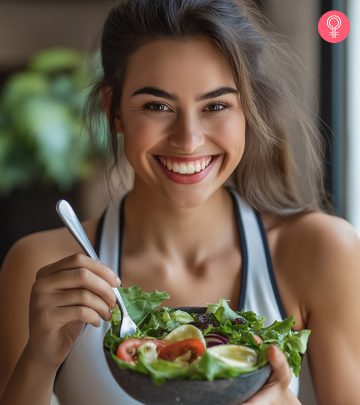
pixel 215 343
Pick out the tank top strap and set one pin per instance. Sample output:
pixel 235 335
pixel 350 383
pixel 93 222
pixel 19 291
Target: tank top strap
pixel 260 290
pixel 109 235
pixel 109 239
pixel 261 294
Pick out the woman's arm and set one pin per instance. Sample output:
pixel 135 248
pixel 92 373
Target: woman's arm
pixel 323 255
pixel 334 312
pixel 43 311
pixel 31 382
pixel 17 276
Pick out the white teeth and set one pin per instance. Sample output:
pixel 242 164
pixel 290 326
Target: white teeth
pixel 191 168
pixel 175 167
pixel 183 168
pixel 188 167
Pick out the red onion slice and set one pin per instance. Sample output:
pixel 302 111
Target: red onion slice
pixel 215 339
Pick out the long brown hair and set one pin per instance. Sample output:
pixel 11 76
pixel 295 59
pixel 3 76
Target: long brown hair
pixel 271 175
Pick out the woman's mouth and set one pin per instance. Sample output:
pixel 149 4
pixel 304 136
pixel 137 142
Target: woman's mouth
pixel 191 167
pixel 186 171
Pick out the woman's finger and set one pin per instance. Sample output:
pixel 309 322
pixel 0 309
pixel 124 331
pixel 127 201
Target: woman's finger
pixel 281 373
pixel 80 260
pixel 82 297
pixel 275 390
pixel 54 319
pixel 74 279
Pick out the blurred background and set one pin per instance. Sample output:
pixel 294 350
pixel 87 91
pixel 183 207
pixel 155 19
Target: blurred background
pixel 48 61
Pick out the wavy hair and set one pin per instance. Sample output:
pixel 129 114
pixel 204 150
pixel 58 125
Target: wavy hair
pixel 281 170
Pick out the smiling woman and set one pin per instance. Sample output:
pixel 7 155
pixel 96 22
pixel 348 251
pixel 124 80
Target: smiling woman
pixel 220 207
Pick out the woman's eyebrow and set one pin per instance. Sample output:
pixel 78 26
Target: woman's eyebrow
pixel 217 93
pixel 153 91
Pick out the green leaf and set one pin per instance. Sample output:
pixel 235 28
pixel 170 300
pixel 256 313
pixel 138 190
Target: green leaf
pixel 139 302
pixel 210 367
pixel 41 116
pixel 297 341
pixel 222 311
pixel 279 326
pixel 56 59
pixel 22 86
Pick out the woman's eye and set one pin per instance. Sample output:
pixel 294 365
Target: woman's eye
pixel 216 107
pixel 156 107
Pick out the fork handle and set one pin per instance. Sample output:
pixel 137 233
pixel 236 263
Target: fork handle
pixel 71 221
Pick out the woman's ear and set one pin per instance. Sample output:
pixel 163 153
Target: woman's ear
pixel 106 96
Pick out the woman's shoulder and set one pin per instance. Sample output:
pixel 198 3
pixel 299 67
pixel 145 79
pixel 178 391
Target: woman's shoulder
pixel 38 249
pixel 315 249
pixel 317 241
pixel 316 260
pixel 318 232
pixel 312 230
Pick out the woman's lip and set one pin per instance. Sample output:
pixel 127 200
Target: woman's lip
pixel 187 178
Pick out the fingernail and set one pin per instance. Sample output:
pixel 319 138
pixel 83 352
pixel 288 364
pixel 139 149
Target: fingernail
pixel 276 351
pixel 118 282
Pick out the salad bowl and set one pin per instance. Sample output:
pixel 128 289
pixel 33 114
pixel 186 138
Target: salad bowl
pixel 225 391
pixel 211 355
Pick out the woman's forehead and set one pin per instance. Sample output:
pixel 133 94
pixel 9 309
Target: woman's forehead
pixel 178 64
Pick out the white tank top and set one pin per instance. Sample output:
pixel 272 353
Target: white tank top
pixel 84 377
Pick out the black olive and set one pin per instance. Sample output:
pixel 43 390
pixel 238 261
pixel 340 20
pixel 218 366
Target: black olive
pixel 200 325
pixel 238 321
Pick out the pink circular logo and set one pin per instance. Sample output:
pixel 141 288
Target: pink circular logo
pixel 334 26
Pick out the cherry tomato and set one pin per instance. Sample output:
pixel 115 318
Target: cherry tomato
pixel 127 350
pixel 176 349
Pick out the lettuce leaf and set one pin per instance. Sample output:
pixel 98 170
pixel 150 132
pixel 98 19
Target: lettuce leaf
pixel 140 303
pixel 222 311
pixel 160 322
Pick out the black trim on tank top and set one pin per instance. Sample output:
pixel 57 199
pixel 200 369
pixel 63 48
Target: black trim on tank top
pixel 244 248
pixel 121 232
pixel 270 266
pixel 99 229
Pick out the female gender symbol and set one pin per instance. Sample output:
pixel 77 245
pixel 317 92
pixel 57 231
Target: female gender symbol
pixel 334 28
pixel 338 24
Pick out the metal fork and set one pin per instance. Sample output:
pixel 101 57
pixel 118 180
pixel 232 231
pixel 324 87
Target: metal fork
pixel 71 221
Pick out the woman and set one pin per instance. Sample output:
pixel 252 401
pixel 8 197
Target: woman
pixel 190 88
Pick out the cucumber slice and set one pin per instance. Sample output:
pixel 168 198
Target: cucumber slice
pixel 235 355
pixel 185 332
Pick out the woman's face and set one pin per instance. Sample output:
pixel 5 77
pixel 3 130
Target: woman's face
pixel 181 115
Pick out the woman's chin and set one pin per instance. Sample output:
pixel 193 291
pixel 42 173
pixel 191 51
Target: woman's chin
pixel 188 198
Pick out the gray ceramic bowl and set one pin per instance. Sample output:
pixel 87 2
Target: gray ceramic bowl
pixel 232 391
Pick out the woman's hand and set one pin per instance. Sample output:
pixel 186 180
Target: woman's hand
pixel 275 391
pixel 66 295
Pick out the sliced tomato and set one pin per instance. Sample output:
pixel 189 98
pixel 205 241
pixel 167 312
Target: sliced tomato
pixel 176 349
pixel 127 350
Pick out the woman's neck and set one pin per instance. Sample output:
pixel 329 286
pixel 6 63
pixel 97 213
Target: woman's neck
pixel 153 222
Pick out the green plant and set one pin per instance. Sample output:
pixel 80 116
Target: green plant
pixel 42 135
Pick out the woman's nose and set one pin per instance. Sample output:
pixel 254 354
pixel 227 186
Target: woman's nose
pixel 187 134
